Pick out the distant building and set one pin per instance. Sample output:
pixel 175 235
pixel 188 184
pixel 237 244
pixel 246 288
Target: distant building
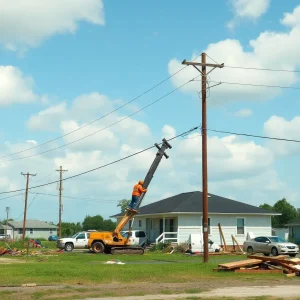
pixel 34 229
pixel 294 230
pixel 3 229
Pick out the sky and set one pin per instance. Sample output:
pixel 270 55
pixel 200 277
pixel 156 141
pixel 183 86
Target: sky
pixel 66 63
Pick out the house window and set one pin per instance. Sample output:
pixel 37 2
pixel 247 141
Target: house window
pixel 208 225
pixel 30 231
pixel 20 231
pixel 140 223
pixel 240 226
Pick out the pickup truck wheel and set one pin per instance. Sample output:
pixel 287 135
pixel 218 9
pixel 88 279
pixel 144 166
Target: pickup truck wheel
pixel 98 247
pixel 69 247
pixel 274 251
pixel 250 250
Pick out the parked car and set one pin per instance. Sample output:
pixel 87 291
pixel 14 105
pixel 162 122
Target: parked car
pixel 195 243
pixel 52 238
pixel 136 237
pixel 78 241
pixel 270 245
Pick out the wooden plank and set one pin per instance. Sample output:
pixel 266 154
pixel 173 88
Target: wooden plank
pixel 222 235
pixel 290 275
pixel 241 263
pixel 275 259
pixel 297 260
pixel 257 271
pixel 237 243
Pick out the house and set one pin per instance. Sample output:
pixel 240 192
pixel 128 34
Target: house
pixel 175 218
pixel 3 229
pixel 34 229
pixel 294 230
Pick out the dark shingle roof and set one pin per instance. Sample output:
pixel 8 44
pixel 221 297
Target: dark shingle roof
pixel 295 222
pixel 192 202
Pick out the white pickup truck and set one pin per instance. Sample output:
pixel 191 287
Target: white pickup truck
pixel 78 241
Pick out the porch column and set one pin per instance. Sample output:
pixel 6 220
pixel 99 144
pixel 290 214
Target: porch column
pixel 164 221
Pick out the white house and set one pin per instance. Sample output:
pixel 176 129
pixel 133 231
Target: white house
pixel 175 218
pixel 3 229
pixel 34 229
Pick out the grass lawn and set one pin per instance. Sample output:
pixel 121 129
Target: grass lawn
pixel 80 275
pixel 86 268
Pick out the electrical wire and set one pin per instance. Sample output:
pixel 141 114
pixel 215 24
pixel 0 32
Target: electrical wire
pixel 262 69
pixel 102 117
pixel 255 85
pixel 103 166
pixel 102 129
pixel 11 196
pixel 27 208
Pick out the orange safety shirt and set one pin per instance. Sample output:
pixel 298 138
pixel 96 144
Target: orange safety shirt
pixel 138 190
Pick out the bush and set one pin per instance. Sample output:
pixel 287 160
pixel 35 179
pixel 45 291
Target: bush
pixel 181 248
pixel 159 246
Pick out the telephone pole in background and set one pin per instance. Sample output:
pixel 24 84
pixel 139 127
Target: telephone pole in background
pixel 26 199
pixel 60 193
pixel 204 74
pixel 7 212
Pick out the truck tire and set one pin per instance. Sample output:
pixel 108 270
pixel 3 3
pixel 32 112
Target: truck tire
pixel 98 247
pixel 69 247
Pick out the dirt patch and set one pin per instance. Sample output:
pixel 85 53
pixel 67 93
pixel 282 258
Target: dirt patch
pixel 6 261
pixel 140 289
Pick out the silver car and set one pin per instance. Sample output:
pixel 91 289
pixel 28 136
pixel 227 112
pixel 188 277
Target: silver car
pixel 270 245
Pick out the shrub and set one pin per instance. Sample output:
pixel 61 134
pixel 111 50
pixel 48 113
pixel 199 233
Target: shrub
pixel 181 248
pixel 159 246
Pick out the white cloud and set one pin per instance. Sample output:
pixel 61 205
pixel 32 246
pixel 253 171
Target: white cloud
pixel 245 112
pixel 279 127
pixel 47 119
pixel 292 19
pixel 15 87
pixel 168 132
pixel 248 9
pixel 27 23
pixel 263 53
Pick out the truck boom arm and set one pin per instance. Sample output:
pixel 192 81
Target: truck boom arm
pixel 160 153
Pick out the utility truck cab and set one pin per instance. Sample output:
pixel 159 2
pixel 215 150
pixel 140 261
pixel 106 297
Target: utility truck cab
pixel 195 243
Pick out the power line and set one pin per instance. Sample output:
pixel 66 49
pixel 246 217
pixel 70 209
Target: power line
pixel 102 129
pixel 27 208
pixel 103 166
pixel 102 117
pixel 255 85
pixel 11 196
pixel 262 69
pixel 256 136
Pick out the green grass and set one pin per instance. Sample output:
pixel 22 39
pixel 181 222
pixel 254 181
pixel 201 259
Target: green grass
pixel 86 268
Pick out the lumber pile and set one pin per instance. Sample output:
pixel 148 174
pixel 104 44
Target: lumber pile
pixel 17 252
pixel 263 264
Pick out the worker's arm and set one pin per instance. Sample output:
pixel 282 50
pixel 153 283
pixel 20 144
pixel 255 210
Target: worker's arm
pixel 142 190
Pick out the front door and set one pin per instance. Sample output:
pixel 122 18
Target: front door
pixel 81 241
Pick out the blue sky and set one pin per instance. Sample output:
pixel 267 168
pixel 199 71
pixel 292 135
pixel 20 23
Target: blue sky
pixel 62 66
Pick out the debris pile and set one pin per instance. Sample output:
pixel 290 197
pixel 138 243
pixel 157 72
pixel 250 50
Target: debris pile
pixel 17 252
pixel 263 264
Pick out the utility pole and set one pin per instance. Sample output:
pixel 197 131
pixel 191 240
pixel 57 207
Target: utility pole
pixel 7 211
pixel 26 199
pixel 60 201
pixel 204 74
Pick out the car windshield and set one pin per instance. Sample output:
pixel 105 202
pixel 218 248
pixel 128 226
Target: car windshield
pixel 124 234
pixel 277 239
pixel 74 236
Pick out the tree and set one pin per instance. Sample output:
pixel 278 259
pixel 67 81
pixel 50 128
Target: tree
pixel 90 223
pixel 288 212
pixel 68 229
pixel 109 225
pixel 123 204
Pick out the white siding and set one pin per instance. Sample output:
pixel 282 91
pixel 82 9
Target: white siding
pixel 135 224
pixel 259 225
pixel 37 233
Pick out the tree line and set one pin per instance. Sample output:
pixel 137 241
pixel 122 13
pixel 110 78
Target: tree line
pixel 287 210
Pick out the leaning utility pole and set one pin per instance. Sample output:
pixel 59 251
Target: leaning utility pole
pixel 60 193
pixel 25 208
pixel 7 211
pixel 204 74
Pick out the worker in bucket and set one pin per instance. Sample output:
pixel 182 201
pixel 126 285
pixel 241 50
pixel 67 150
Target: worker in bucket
pixel 136 194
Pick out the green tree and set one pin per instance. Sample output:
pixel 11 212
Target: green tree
pixel 123 204
pixel 288 212
pixel 109 225
pixel 95 222
pixel 68 229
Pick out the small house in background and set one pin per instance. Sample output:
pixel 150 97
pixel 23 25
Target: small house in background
pixel 294 230
pixel 173 219
pixel 3 229
pixel 281 232
pixel 34 229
